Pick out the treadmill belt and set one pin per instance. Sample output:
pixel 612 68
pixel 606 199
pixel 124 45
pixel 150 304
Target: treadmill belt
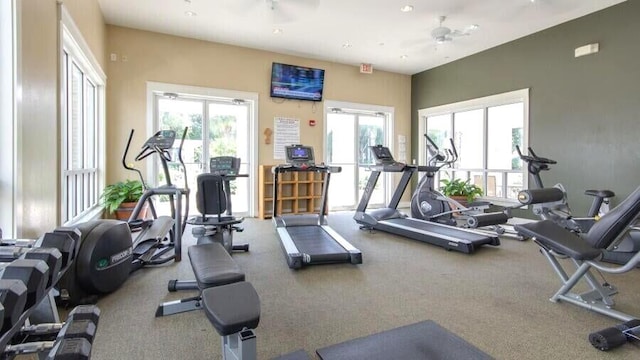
pixel 313 240
pixel 440 229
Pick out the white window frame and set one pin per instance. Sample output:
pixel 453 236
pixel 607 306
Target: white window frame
pixel 156 88
pixel 511 97
pixel 73 43
pixel 9 77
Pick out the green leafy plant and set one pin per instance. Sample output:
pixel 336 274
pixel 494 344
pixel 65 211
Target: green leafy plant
pixel 121 192
pixel 459 187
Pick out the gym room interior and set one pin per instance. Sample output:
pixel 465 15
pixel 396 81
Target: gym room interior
pixel 573 72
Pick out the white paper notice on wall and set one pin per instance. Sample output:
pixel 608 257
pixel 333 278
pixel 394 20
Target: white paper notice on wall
pixel 286 132
pixel 402 148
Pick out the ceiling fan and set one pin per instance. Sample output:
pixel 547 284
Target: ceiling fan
pixel 443 34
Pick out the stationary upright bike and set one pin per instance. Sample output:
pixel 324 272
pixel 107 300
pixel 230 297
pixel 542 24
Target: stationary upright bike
pixel 213 199
pixel 429 204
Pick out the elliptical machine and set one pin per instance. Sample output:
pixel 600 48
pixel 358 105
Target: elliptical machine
pixel 161 234
pixel 552 204
pixel 429 204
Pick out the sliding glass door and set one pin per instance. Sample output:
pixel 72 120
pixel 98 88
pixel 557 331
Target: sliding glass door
pixel 349 135
pixel 224 133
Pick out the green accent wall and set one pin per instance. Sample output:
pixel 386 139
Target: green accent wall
pixel 584 112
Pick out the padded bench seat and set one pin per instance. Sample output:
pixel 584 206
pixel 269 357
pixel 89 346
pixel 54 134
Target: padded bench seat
pixel 232 308
pixel 555 237
pixel 213 266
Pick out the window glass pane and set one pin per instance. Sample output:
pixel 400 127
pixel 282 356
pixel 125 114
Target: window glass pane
pixel 371 129
pixel 504 132
pixel 495 179
pixel 76 118
pixel 468 127
pixel 439 129
pixel 340 135
pixel 514 185
pixel 341 187
pixel 90 126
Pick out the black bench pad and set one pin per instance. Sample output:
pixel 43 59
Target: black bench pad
pixel 213 266
pixel 558 239
pixel 600 193
pixel 231 308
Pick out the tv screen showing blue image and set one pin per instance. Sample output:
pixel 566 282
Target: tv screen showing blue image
pixel 296 82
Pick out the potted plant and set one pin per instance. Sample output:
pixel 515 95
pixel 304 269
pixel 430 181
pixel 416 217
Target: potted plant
pixel 460 190
pixel 121 198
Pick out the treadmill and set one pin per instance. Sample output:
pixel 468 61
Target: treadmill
pixel 306 238
pixel 391 220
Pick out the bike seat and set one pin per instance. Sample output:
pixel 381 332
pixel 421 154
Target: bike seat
pixel 600 193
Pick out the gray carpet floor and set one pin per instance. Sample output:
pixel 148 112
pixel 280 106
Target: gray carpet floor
pixel 496 299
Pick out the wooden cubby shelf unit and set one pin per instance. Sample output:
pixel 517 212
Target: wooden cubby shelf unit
pixel 299 192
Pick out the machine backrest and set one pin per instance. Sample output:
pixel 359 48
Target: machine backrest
pixel 210 196
pixel 606 230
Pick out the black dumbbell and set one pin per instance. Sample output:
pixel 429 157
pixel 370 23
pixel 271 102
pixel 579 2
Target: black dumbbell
pixel 33 273
pixel 13 296
pixel 70 349
pixel 51 256
pixel 65 242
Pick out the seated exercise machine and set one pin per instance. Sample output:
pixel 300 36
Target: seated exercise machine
pixel 160 235
pixel 307 239
pixel 585 252
pixel 213 199
pixel 552 204
pixel 391 220
pixel 429 204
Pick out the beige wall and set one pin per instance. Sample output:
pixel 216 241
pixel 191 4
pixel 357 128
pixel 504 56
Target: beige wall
pixel 169 59
pixel 38 183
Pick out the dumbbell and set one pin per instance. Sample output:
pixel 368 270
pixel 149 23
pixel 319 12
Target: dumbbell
pixel 72 341
pixel 34 274
pixel 66 240
pixel 13 297
pixel 51 256
pixel 609 338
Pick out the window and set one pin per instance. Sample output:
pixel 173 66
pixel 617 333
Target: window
pixel 82 96
pixel 485 132
pixel 7 117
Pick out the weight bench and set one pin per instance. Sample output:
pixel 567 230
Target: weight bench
pixel 212 266
pixel 585 251
pixel 234 311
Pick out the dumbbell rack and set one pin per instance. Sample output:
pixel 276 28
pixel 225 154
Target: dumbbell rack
pixel 29 321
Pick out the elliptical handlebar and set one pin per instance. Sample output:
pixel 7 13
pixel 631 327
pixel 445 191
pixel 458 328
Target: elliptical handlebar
pixel 438 159
pixel 533 158
pixel 129 167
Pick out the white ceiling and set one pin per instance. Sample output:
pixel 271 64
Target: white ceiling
pixel 377 31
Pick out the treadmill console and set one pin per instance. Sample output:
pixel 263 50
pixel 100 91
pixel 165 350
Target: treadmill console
pixel 300 156
pixel 224 165
pixel 384 159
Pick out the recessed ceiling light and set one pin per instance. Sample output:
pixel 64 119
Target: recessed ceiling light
pixel 190 13
pixel 381 43
pixel 277 31
pixel 403 57
pixel 474 26
pixel 187 1
pixel 346 45
pixel 407 8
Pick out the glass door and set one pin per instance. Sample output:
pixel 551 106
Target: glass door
pixel 349 135
pixel 225 133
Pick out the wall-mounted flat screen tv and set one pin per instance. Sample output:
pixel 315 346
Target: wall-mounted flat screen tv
pixel 296 82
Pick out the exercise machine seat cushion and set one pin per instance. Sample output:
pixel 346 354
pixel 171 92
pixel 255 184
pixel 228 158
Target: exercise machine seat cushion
pixel 231 308
pixel 555 237
pixel 606 230
pixel 210 196
pixel 600 193
pixel 213 266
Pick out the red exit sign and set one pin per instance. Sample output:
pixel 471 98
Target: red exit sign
pixel 366 68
